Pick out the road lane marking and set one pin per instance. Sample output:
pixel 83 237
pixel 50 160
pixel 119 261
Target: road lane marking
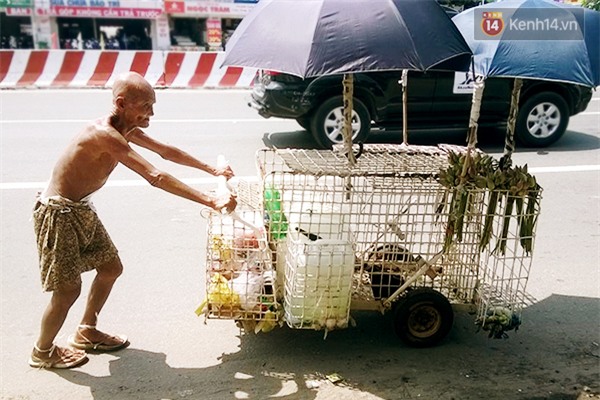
pixel 250 178
pixel 566 168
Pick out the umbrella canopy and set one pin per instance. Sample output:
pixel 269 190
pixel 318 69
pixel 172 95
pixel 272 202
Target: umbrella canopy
pixel 592 41
pixel 534 39
pixel 310 38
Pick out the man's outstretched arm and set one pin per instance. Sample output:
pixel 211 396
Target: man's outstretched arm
pixel 121 150
pixel 176 155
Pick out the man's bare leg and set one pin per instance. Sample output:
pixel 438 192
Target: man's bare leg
pixel 44 352
pixel 87 334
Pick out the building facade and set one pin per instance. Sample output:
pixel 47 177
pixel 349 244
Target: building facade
pixel 120 24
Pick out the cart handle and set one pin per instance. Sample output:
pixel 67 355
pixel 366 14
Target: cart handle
pixel 224 188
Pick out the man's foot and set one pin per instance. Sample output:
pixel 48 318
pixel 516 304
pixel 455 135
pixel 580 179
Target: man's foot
pixel 88 337
pixel 56 357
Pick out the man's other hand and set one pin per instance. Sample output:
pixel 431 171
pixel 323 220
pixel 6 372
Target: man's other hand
pixel 227 172
pixel 225 203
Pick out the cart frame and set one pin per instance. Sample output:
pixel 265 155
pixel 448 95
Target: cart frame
pixel 378 235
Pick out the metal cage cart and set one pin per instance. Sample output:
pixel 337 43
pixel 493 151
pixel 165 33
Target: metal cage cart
pixel 385 234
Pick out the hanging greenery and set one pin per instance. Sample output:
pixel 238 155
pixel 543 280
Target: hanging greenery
pixel 473 172
pixel 593 4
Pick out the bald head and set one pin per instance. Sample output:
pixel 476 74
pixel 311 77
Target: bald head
pixel 132 86
pixel 133 100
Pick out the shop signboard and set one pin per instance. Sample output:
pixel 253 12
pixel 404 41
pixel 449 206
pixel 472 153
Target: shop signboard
pixel 146 9
pixel 16 3
pixel 213 33
pixel 219 9
pixel 16 7
pixel 18 11
pixel 174 7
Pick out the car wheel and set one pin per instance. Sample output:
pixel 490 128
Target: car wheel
pixel 423 318
pixel 542 120
pixel 328 121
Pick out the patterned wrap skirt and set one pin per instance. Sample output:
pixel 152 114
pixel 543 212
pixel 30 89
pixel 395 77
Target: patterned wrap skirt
pixel 70 240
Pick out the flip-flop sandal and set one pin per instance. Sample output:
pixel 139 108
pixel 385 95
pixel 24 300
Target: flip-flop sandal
pixel 37 362
pixel 97 346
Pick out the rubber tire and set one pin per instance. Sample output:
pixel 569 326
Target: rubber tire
pixel 332 110
pixel 304 122
pixel 425 303
pixel 537 105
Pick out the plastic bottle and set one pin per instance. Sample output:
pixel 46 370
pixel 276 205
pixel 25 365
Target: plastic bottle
pixel 277 221
pixel 223 187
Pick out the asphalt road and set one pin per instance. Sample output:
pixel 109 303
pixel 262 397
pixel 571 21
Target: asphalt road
pixel 175 355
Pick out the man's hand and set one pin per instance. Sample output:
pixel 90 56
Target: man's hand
pixel 227 172
pixel 225 203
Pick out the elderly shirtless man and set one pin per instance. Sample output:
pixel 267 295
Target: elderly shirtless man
pixel 70 237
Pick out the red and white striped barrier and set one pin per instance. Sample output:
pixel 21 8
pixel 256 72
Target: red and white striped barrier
pixel 95 68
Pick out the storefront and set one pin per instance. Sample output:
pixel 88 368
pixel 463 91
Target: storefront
pixel 101 24
pixel 16 30
pixel 204 24
pixel 121 24
pixel 107 33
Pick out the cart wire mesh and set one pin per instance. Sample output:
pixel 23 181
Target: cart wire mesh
pixel 240 279
pixel 389 215
pixel 334 238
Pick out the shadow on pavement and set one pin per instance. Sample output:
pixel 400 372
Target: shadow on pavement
pixel 554 356
pixel 574 141
pixel 295 139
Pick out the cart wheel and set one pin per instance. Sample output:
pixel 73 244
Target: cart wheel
pixel 423 318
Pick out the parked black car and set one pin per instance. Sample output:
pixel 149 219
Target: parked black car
pixel 436 100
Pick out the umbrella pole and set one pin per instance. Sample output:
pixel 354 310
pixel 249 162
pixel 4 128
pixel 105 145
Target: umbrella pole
pixel 509 142
pixel 475 108
pixel 404 107
pixel 348 83
pixel 479 85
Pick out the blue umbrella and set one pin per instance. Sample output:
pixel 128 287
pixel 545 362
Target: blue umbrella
pixel 534 39
pixel 592 41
